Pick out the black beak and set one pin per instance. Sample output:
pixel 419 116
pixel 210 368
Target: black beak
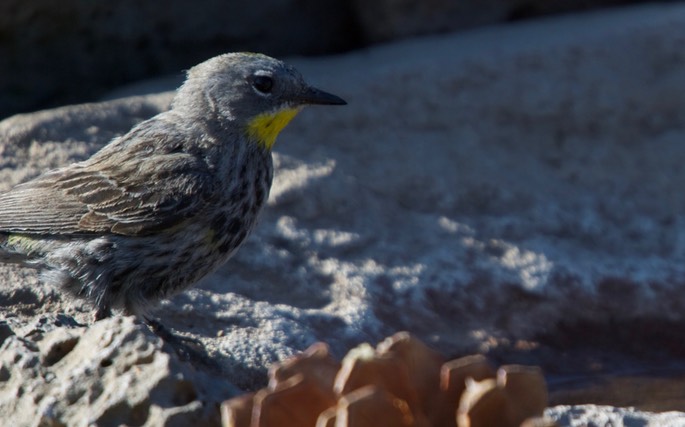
pixel 312 95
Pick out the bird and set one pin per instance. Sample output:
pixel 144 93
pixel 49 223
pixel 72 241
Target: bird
pixel 160 207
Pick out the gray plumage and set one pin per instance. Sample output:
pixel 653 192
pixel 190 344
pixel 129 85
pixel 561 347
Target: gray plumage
pixel 165 204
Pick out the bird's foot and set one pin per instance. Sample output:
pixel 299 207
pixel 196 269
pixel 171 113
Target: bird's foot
pixel 188 349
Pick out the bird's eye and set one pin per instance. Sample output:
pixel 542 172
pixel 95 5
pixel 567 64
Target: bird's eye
pixel 263 84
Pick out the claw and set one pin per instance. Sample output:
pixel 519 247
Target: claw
pixel 188 349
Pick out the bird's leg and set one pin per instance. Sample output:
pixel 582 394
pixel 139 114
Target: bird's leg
pixel 188 349
pixel 102 312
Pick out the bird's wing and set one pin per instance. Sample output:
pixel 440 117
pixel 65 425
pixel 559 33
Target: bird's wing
pixel 140 196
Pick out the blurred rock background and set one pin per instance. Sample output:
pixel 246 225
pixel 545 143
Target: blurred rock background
pixel 56 53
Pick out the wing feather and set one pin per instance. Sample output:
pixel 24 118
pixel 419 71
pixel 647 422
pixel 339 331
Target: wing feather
pixel 121 190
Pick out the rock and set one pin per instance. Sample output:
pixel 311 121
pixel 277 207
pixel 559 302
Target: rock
pixel 513 191
pixel 588 415
pixel 486 195
pixel 111 373
pixel 384 20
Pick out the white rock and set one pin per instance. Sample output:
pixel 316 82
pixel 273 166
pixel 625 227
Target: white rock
pixel 605 416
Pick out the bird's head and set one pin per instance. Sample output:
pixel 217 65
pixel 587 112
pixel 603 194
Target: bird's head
pixel 260 93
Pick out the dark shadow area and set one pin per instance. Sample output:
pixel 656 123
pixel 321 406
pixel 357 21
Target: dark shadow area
pixel 638 362
pixel 73 51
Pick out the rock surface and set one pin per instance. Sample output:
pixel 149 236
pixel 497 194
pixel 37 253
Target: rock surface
pixel 384 20
pixel 591 415
pixel 514 191
pixel 114 368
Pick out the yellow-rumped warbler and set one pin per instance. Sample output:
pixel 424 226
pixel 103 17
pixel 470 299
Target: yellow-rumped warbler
pixel 170 201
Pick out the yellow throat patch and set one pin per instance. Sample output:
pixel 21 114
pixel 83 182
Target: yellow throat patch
pixel 264 128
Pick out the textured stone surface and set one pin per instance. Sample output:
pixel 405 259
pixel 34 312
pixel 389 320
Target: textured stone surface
pixel 111 373
pixel 515 191
pixel 591 415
